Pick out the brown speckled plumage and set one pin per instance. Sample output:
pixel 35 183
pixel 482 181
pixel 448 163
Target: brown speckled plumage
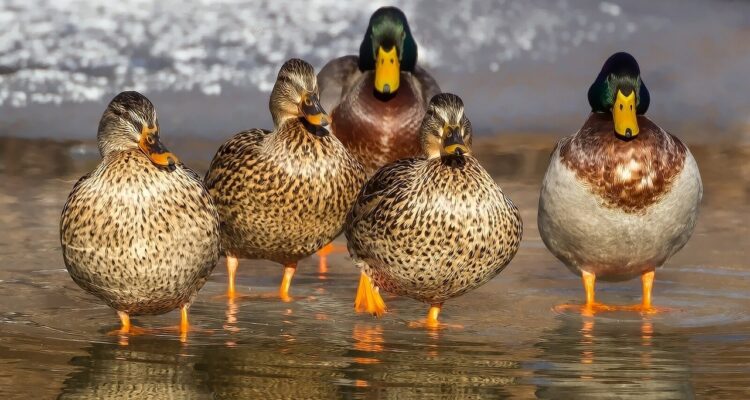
pixel 140 237
pixel 435 226
pixel 283 194
pixel 628 175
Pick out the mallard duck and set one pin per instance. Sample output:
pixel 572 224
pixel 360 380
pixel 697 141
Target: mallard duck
pixel 140 231
pixel 283 194
pixel 620 196
pixel 435 226
pixel 378 98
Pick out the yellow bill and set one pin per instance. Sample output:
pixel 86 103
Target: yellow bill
pixel 387 71
pixel 626 123
pixel 158 154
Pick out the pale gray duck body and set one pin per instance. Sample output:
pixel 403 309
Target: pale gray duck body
pixel 617 208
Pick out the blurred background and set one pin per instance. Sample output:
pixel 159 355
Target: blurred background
pixel 523 69
pixel 521 66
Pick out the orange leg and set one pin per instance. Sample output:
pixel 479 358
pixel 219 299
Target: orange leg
pixel 232 264
pixel 591 307
pixel 646 307
pixel 431 322
pixel 286 281
pixel 648 283
pixel 184 325
pixel 125 322
pixel 323 254
pixel 126 328
pixel 368 297
pixel 432 315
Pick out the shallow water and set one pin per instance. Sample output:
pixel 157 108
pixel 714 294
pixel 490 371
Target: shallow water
pixel 54 341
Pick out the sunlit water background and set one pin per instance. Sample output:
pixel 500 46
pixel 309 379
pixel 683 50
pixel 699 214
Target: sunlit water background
pixel 522 68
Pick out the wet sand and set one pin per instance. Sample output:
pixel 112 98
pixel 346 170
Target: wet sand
pixel 54 342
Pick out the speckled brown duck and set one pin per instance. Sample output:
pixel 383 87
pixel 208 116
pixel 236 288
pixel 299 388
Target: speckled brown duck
pixel 283 194
pixel 140 231
pixel 620 196
pixel 378 98
pixel 435 226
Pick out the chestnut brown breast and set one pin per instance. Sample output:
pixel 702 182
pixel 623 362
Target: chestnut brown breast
pixel 379 131
pixel 629 175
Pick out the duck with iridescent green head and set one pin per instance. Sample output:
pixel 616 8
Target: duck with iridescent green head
pixel 378 97
pixel 620 196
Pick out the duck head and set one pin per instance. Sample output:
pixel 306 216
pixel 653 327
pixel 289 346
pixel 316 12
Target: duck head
pixel 295 96
pixel 619 89
pixel 130 122
pixel 388 48
pixel 445 130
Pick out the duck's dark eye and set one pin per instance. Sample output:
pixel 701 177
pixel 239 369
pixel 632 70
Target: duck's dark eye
pixel 150 139
pixel 391 61
pixel 631 106
pixel 308 102
pixel 620 107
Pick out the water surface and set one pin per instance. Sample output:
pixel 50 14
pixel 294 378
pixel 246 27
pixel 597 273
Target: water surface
pixel 54 341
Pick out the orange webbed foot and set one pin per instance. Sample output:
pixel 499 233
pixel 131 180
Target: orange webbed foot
pixel 368 298
pixel 432 323
pixel 585 309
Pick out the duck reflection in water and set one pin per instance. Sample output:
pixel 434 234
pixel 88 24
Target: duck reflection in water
pixel 597 352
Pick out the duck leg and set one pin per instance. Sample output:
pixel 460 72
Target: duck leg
pixel 327 250
pixel 648 283
pixel 432 315
pixel 591 307
pixel 232 264
pixel 126 328
pixel 184 325
pixel 286 281
pixel 124 321
pixel 647 280
pixel 431 322
pixel 368 297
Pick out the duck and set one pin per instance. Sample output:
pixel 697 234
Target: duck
pixel 378 98
pixel 140 231
pixel 434 226
pixel 621 195
pixel 283 194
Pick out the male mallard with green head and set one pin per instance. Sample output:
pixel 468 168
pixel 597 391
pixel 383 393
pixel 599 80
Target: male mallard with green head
pixel 435 226
pixel 285 193
pixel 140 232
pixel 620 196
pixel 378 98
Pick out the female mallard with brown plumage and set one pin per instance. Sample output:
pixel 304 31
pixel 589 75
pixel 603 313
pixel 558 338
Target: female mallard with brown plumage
pixel 140 232
pixel 620 196
pixel 283 194
pixel 377 99
pixel 435 226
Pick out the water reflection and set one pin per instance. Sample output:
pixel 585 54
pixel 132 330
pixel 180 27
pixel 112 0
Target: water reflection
pixel 403 363
pixel 280 367
pixel 590 357
pixel 146 369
